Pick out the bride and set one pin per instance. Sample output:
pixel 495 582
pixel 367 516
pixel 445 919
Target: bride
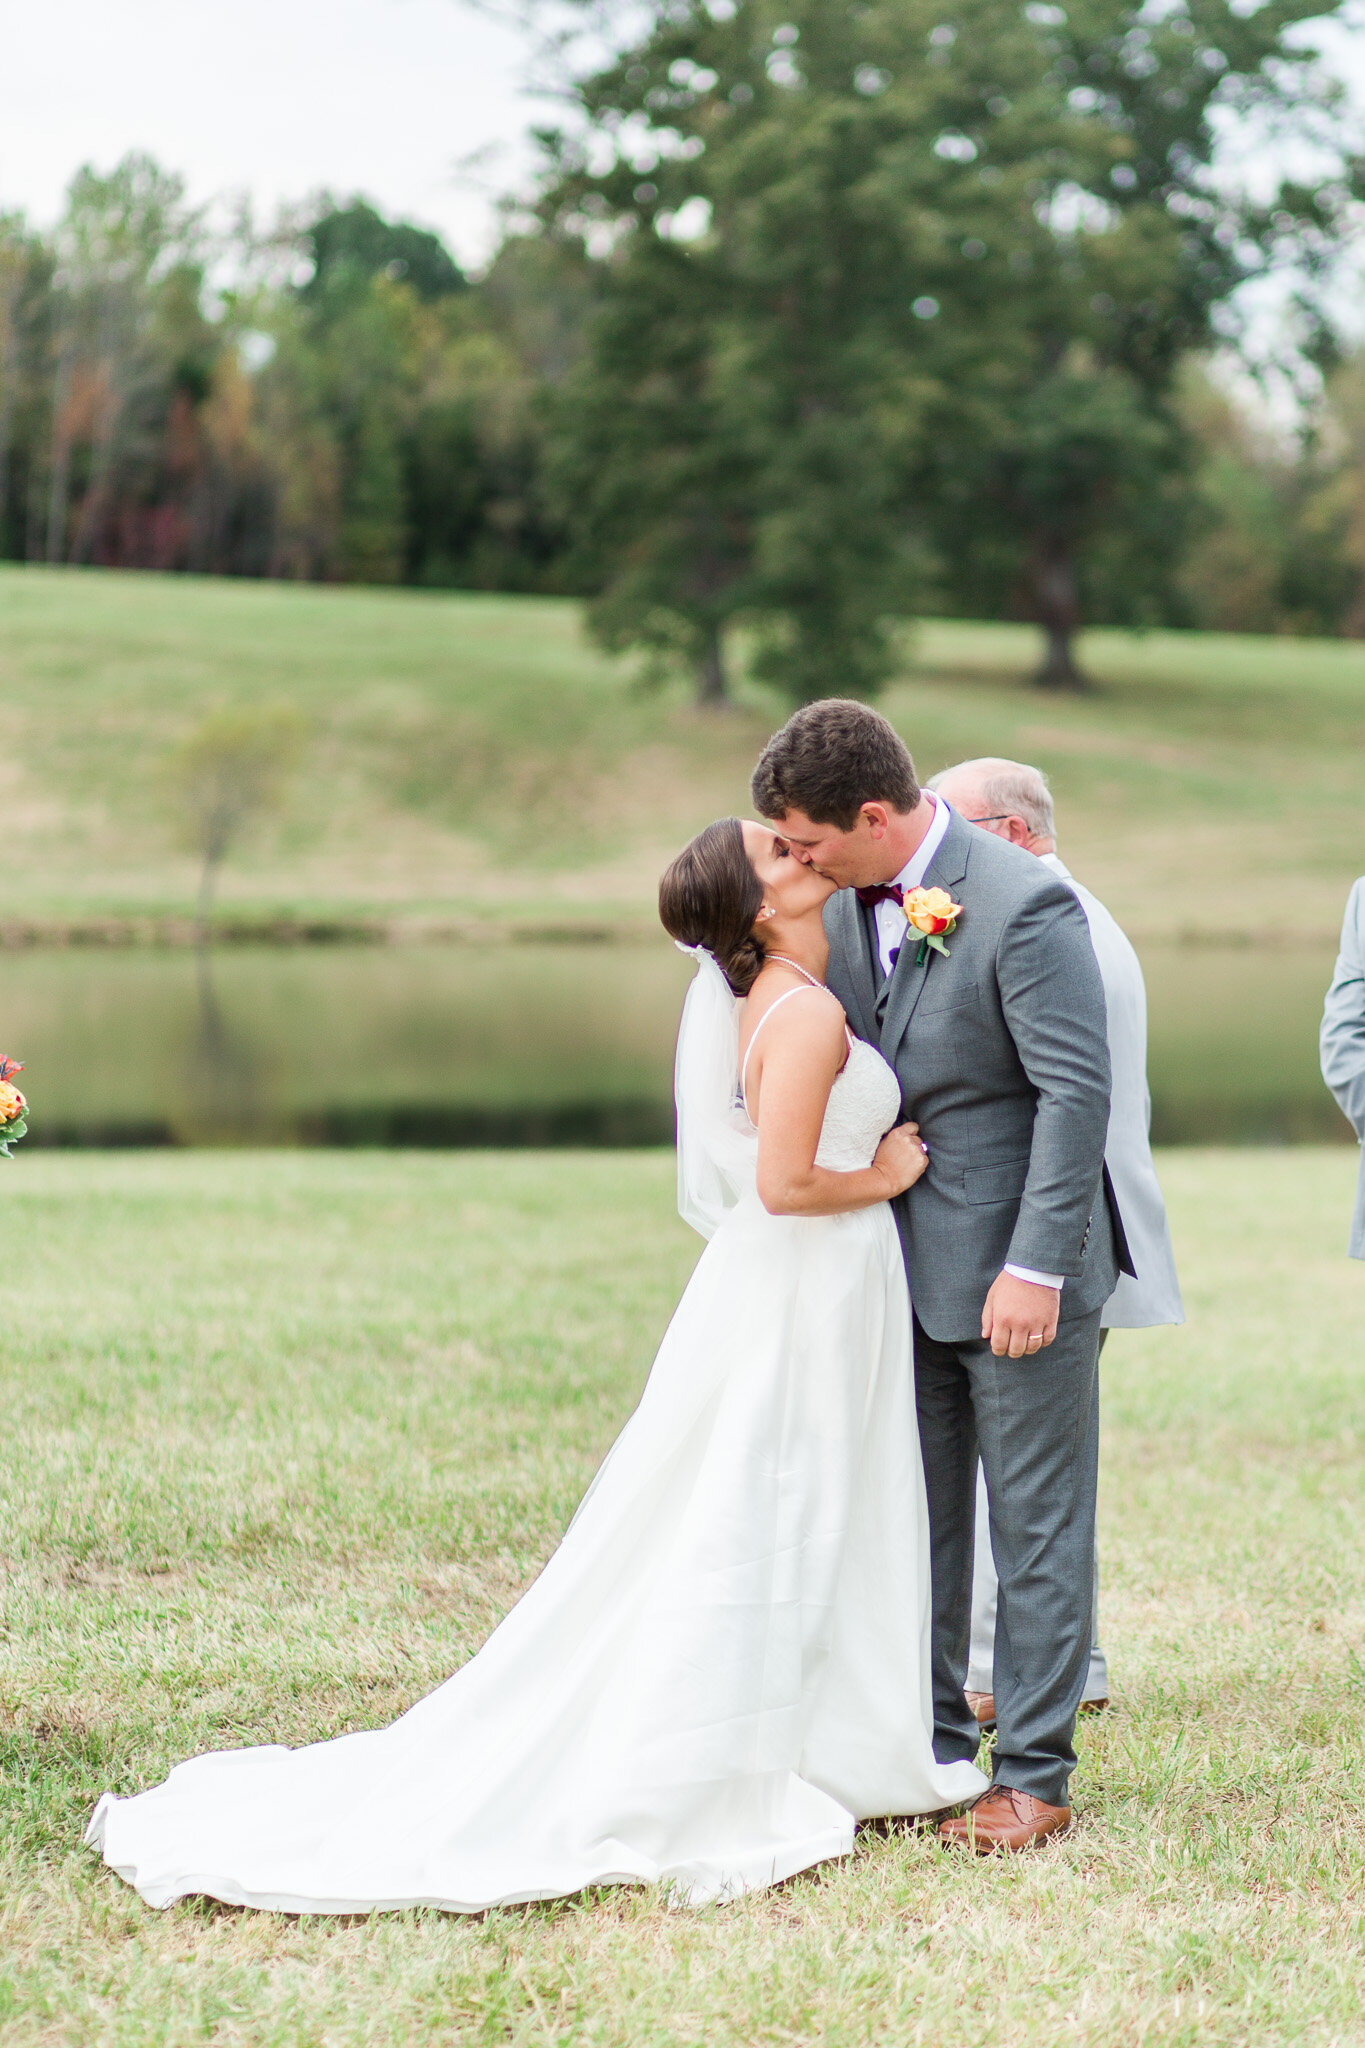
pixel 725 1664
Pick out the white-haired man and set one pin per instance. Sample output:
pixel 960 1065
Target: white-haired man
pixel 1013 800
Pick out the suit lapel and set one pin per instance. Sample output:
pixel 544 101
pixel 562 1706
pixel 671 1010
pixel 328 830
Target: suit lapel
pixel 850 966
pixel 946 870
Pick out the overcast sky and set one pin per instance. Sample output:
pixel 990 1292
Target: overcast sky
pixel 278 97
pixel 283 97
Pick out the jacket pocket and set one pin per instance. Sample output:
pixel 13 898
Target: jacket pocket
pixel 943 992
pixel 1001 1183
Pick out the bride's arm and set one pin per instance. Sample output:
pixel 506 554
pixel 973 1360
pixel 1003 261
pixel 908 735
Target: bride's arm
pixel 793 1070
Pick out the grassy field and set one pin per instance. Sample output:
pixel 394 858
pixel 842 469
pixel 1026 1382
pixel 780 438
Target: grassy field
pixel 472 758
pixel 285 1435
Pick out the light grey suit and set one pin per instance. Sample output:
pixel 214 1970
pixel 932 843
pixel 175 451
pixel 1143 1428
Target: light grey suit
pixel 1151 1293
pixel 1001 1053
pixel 1342 1041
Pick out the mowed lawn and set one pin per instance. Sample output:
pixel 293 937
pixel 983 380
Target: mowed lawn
pixel 285 1434
pixel 474 758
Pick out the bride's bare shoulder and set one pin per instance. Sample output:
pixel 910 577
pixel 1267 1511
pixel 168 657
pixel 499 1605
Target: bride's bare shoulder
pixel 814 1014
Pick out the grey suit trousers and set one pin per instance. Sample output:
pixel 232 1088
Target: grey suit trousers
pixel 1035 1425
pixel 985 1586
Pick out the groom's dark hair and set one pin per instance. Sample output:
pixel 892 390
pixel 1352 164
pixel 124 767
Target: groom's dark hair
pixel 829 760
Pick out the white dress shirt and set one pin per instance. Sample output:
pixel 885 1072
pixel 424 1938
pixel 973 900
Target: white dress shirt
pixel 891 931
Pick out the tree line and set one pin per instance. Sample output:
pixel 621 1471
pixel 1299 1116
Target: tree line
pixel 333 401
pixel 829 312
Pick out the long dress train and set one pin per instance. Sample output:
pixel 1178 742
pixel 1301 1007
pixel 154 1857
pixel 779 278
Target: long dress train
pixel 722 1668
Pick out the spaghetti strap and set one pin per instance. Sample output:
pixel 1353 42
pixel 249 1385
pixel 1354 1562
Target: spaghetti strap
pixel 774 1005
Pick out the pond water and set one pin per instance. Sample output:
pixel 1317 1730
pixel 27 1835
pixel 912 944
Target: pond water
pixel 534 1044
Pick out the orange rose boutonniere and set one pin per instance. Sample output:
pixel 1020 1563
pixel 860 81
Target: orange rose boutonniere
pixel 13 1107
pixel 932 913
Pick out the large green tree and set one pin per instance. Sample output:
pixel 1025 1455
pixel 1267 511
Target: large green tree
pixel 1102 244
pixel 652 466
pixel 733 444
pixel 886 279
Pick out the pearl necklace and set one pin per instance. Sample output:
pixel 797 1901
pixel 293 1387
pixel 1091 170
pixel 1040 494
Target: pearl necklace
pixel 787 961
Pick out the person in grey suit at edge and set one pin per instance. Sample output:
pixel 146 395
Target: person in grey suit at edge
pixel 1342 1042
pixel 1013 801
pixel 1012 1239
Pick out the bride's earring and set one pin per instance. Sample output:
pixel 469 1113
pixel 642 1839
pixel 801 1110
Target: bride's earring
pixel 765 913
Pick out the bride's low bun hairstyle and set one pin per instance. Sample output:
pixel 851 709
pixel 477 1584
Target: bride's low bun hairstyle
pixel 710 896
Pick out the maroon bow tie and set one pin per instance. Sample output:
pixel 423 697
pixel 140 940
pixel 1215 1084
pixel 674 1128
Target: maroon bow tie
pixel 885 892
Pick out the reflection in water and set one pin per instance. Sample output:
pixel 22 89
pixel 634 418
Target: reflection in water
pixel 1233 1045
pixel 456 1127
pixel 225 1071
pixel 557 1045
pixel 535 1045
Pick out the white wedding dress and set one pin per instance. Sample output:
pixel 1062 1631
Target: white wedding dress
pixel 722 1668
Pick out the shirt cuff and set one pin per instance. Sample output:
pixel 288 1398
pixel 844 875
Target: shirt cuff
pixel 1056 1280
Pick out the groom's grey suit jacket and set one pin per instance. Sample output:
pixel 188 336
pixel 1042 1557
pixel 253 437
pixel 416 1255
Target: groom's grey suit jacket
pixel 1003 1062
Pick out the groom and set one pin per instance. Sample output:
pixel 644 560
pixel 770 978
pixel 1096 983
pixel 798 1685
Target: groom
pixel 1012 1240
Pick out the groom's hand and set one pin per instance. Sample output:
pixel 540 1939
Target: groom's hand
pixel 1019 1318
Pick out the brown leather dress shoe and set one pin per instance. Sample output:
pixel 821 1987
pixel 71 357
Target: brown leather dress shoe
pixel 1088 1706
pixel 1005 1819
pixel 982 1705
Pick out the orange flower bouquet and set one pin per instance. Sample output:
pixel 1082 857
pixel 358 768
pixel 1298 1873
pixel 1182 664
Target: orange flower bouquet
pixel 13 1107
pixel 934 915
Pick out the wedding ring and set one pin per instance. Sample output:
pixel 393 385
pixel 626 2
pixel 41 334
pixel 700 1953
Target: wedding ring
pixel 1035 1336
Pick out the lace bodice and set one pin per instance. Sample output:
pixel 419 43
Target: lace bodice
pixel 863 1103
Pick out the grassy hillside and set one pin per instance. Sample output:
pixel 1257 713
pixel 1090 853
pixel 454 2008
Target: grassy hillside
pixel 473 758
